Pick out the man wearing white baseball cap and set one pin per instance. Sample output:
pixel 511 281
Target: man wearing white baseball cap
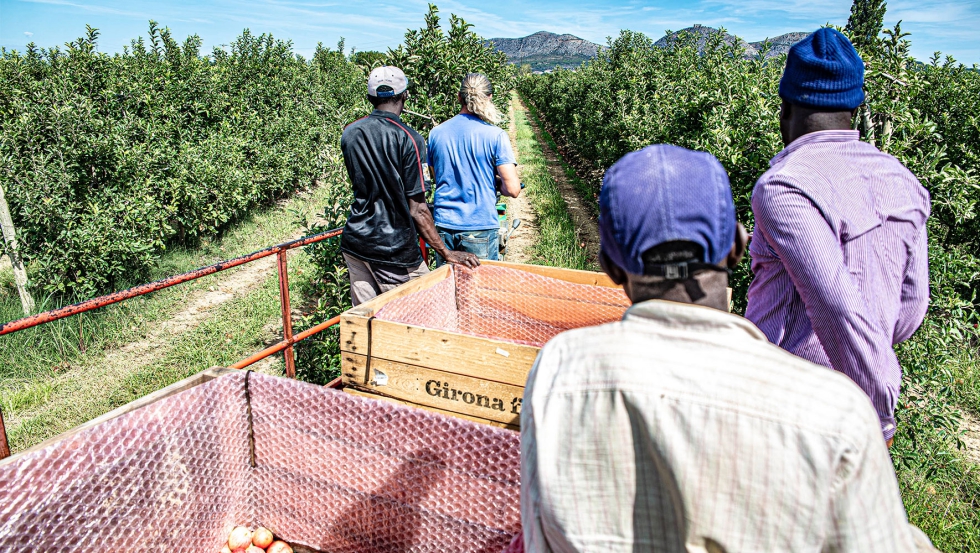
pixel 383 156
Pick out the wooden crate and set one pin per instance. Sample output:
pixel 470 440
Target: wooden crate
pixel 466 376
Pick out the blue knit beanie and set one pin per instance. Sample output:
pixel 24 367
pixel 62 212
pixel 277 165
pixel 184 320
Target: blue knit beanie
pixel 823 71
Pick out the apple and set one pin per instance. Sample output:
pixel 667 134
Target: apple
pixel 262 537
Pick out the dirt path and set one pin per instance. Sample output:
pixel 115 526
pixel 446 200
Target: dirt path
pixel 586 225
pixel 971 437
pixel 526 236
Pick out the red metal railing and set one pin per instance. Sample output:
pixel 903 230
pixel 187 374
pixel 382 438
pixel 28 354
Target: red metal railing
pixel 142 289
pixel 279 250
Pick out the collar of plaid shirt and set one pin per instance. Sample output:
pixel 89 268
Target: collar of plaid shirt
pixel 681 428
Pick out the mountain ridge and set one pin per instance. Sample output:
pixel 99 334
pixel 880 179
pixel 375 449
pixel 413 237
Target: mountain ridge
pixel 545 50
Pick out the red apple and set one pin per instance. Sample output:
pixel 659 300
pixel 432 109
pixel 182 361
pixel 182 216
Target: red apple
pixel 262 537
pixel 279 547
pixel 240 538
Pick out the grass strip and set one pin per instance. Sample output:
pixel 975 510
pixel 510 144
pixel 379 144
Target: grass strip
pixel 585 190
pixel 559 244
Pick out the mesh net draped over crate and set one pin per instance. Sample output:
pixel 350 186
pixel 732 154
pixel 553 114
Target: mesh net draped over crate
pixel 332 471
pixel 507 304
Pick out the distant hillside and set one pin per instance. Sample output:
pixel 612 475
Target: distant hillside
pixel 777 46
pixel 781 44
pixel 544 50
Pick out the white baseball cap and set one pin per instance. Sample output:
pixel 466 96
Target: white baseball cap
pixel 386 81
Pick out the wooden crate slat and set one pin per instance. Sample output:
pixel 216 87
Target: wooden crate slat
pixel 485 369
pixel 353 322
pixel 372 306
pixel 503 362
pixel 369 395
pixel 447 391
pixel 568 275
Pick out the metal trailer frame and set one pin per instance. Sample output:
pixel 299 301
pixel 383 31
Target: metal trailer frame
pixel 286 345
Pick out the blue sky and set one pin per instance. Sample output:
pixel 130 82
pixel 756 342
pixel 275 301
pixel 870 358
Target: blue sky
pixel 949 26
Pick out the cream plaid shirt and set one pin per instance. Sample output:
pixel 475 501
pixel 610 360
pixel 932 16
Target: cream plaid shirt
pixel 681 428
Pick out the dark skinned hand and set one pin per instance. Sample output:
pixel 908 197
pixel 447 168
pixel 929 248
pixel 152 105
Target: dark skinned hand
pixel 426 228
pixel 462 258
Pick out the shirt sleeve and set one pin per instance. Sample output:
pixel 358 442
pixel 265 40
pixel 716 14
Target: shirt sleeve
pixel 412 175
pixel 810 251
pixel 428 156
pixel 502 152
pixel 915 290
pixel 865 504
pixel 534 537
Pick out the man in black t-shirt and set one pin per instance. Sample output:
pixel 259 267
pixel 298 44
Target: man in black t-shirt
pixel 384 159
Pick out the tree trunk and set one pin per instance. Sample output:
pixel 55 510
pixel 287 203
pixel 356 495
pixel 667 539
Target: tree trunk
pixel 867 124
pixel 20 274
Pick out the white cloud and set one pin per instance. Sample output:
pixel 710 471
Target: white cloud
pixel 28 34
pixel 91 8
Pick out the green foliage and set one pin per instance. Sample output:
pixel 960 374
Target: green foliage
pixel 328 287
pixel 369 59
pixel 436 62
pixel 635 94
pixel 864 24
pixel 108 160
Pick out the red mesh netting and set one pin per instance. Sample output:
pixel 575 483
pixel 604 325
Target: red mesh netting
pixel 507 304
pixel 333 472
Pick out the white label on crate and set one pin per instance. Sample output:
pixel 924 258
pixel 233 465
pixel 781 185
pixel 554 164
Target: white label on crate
pixel 380 378
pixel 503 352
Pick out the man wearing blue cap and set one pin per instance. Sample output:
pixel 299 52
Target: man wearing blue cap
pixel 681 428
pixel 839 250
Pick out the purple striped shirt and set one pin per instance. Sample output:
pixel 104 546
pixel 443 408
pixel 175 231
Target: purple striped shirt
pixel 840 259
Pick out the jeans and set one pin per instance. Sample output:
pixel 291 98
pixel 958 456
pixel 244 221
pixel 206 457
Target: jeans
pixel 481 243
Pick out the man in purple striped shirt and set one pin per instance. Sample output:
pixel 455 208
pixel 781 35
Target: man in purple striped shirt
pixel 839 250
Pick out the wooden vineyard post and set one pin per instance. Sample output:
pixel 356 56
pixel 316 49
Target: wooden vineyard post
pixel 20 274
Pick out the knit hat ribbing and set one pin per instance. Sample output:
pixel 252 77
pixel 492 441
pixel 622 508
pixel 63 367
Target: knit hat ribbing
pixel 823 71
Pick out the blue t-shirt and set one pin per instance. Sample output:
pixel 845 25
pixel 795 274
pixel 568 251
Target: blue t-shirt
pixel 465 152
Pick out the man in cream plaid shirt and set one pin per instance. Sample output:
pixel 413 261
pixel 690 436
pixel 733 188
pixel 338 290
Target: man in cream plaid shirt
pixel 681 428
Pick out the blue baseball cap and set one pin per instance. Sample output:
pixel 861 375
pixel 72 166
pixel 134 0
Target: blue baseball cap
pixel 663 194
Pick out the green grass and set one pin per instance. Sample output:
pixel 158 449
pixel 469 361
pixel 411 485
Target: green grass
pixel 558 245
pixel 942 497
pixel 586 191
pixel 940 485
pixel 56 376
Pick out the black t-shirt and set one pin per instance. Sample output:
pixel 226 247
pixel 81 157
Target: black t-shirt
pixel 384 157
